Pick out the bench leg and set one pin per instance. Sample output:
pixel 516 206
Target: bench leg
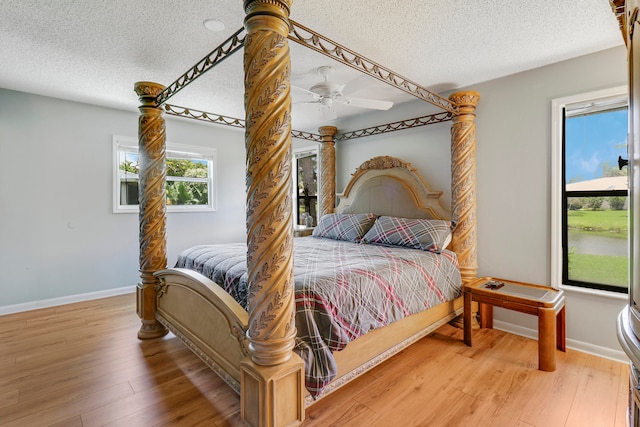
pixel 546 339
pixel 561 334
pixel 486 316
pixel 467 318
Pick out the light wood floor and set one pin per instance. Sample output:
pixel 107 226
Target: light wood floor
pixel 82 365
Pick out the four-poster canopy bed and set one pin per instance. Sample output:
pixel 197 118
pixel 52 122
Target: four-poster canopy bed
pixel 252 346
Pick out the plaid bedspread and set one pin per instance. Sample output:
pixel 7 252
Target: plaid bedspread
pixel 342 290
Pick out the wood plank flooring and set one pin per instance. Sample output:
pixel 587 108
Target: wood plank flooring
pixel 82 365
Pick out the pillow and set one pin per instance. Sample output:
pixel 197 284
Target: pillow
pixel 426 234
pixel 342 226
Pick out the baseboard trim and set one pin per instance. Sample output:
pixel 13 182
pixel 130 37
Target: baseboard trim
pixel 52 302
pixel 585 347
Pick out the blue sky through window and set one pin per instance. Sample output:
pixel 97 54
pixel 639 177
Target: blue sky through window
pixel 593 143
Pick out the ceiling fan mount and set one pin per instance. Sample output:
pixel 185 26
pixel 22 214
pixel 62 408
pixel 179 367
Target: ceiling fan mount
pixel 326 88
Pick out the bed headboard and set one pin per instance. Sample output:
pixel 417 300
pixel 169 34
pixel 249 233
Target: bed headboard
pixel 389 186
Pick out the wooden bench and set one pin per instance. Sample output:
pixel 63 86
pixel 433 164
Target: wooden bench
pixel 542 301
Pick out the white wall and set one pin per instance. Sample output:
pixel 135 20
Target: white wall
pixel 58 234
pixel 514 179
pixel 513 183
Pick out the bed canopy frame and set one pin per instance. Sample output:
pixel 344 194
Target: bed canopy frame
pixel 271 375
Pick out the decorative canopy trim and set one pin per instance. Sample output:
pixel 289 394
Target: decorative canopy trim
pixel 192 113
pixel 327 47
pixel 618 6
pixel 314 41
pixel 392 127
pixel 219 54
pixel 306 135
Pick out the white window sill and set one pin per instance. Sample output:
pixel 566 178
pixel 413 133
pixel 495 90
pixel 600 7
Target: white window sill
pixel 597 292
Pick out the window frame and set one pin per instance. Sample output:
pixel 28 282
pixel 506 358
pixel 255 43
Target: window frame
pixel 558 204
pixel 173 150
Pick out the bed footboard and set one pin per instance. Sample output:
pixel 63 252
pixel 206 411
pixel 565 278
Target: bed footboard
pixel 379 345
pixel 207 319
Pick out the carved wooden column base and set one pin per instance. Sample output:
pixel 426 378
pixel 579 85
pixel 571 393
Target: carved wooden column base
pixel 149 328
pixel 458 322
pixel 272 396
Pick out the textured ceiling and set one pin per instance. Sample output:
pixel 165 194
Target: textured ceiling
pixel 93 51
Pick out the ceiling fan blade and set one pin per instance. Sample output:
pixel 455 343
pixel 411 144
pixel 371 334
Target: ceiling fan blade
pixel 317 101
pixel 306 92
pixel 357 84
pixel 374 104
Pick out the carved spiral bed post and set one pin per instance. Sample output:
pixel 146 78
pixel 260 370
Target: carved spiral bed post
pixel 152 188
pixel 463 182
pixel 272 377
pixel 327 170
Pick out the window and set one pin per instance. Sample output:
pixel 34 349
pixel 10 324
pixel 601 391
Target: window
pixel 190 177
pixel 591 212
pixel 305 186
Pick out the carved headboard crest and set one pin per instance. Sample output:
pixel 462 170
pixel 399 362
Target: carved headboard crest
pixel 383 162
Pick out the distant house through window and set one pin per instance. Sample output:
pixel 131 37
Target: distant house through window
pixel 190 181
pixel 592 191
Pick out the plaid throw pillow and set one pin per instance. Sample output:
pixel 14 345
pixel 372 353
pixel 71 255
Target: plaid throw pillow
pixel 425 234
pixel 349 227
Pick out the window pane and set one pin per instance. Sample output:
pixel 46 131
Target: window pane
pixel 128 162
pixel 593 143
pixel 187 168
pixel 129 192
pixel 187 193
pixel 597 240
pixel 307 190
pixel 128 174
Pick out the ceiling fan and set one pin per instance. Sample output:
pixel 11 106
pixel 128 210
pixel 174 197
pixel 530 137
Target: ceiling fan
pixel 328 93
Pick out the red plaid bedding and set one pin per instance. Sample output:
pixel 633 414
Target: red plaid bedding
pixel 342 290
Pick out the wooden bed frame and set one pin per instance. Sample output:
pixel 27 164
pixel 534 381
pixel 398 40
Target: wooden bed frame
pixel 188 303
pixel 252 350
